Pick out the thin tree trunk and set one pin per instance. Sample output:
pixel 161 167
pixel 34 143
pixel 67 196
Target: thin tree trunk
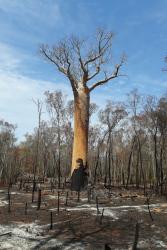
pixel 105 167
pixel 137 171
pixel 59 170
pixel 96 165
pixel 141 165
pixel 156 160
pixel 109 160
pixel 161 163
pixel 36 160
pixel 129 162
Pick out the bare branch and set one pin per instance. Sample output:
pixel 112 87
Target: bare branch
pixel 108 78
pixel 44 51
pixel 54 57
pixel 77 44
pixel 104 43
pixel 96 73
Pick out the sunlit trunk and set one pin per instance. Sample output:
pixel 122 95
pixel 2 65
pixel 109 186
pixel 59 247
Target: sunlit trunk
pixel 81 126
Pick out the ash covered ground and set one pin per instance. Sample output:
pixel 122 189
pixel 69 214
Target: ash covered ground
pixel 79 224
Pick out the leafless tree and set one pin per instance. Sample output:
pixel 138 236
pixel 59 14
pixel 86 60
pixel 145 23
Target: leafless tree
pixel 85 65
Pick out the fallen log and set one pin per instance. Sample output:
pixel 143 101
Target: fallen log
pixel 8 233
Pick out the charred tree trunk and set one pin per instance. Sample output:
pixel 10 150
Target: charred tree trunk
pixel 109 161
pixel 161 164
pixel 141 164
pixel 129 161
pixel 96 166
pixel 137 170
pixel 105 167
pixel 97 163
pixel 156 161
pixel 59 169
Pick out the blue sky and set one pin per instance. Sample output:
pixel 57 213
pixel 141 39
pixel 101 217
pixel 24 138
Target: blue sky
pixel 140 28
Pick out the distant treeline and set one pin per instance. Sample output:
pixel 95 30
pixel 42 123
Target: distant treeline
pixel 127 143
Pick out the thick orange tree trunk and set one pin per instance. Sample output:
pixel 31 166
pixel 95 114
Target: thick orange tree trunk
pixel 81 126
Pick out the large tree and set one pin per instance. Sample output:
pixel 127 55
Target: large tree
pixel 86 64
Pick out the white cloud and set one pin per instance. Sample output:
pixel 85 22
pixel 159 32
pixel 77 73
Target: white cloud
pixel 16 94
pixel 18 90
pixel 9 60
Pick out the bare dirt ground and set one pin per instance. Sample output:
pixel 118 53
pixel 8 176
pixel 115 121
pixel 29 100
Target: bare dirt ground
pixel 78 225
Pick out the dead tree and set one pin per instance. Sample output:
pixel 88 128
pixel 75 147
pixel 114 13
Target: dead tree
pixel 36 158
pixel 81 64
pixel 9 199
pixel 58 201
pixel 51 220
pixel 129 161
pixel 26 207
pixel 136 237
pixel 110 117
pixel 66 202
pixel 39 199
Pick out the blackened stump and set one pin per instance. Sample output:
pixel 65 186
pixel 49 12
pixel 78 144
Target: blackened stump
pixel 78 179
